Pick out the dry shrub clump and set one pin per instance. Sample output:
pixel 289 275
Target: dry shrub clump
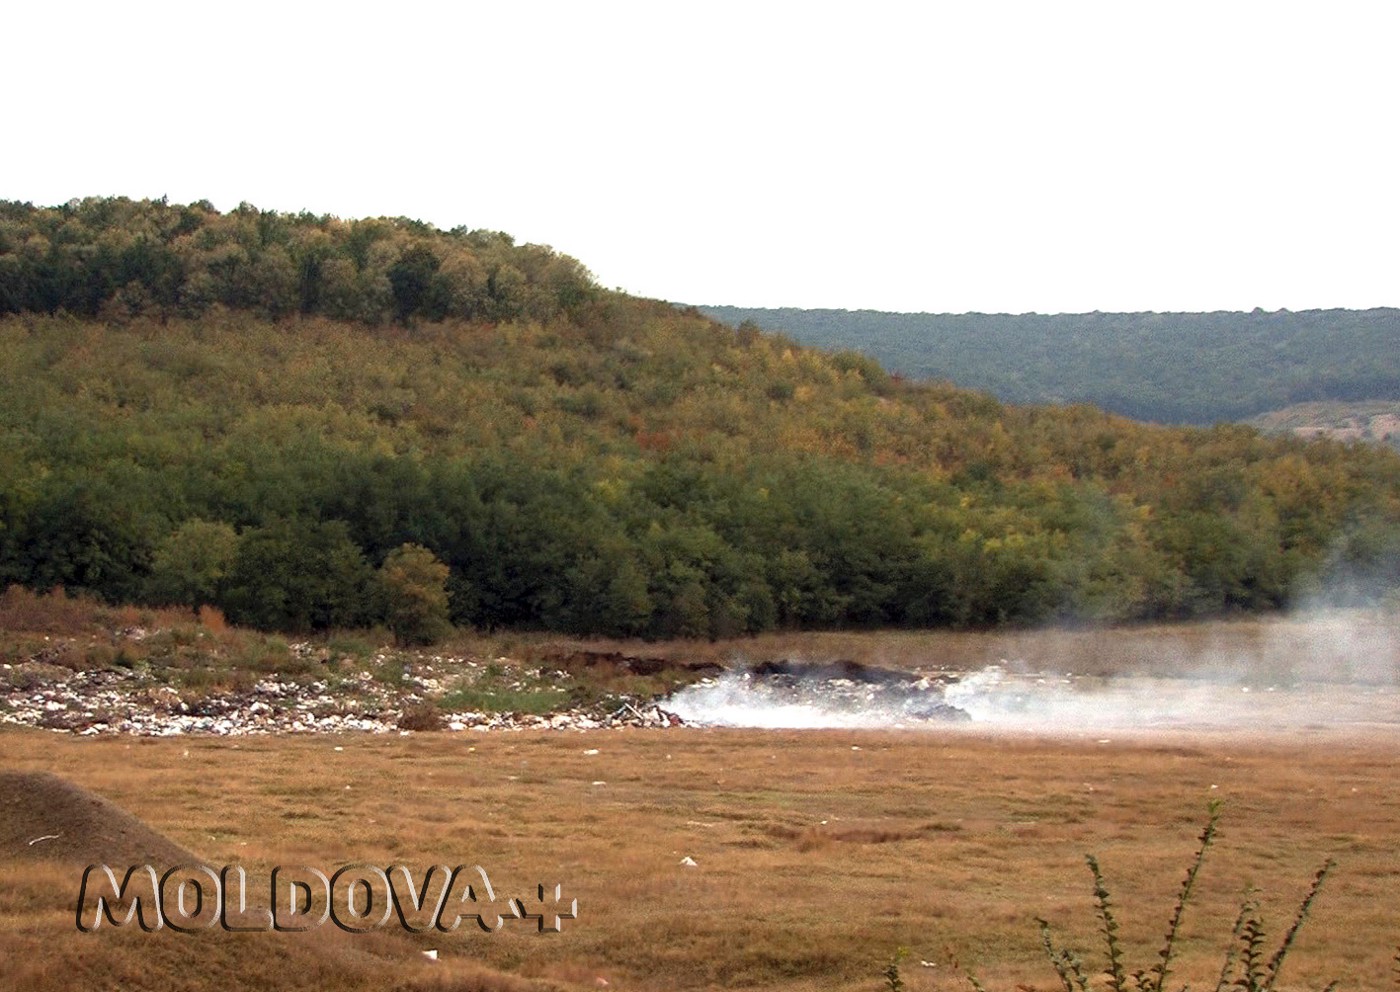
pixel 54 612
pixel 421 716
pixel 211 618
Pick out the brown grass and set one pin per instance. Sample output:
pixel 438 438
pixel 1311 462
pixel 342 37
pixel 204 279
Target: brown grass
pixel 949 843
pixel 818 854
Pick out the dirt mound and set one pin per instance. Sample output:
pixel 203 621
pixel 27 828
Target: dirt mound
pixel 46 817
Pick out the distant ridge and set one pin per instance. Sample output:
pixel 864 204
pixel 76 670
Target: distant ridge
pixel 1185 368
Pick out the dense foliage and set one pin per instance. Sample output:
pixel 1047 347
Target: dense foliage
pixel 620 466
pixel 1183 368
pixel 119 258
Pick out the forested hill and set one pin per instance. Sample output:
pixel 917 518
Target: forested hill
pixel 1183 368
pixel 117 258
pixel 258 411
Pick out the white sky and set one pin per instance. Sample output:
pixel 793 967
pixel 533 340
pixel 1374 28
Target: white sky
pixel 946 157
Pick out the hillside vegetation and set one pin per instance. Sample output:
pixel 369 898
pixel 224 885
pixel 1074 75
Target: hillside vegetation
pixel 260 411
pixel 1182 368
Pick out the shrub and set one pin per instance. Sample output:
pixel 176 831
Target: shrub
pixel 54 612
pixel 1246 965
pixel 420 716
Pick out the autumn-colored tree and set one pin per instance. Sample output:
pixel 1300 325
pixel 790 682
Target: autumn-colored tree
pixel 414 586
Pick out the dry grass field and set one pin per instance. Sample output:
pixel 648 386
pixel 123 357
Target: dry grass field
pixel 818 854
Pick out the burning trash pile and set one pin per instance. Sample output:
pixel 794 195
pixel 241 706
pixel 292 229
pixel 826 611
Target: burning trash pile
pixel 790 694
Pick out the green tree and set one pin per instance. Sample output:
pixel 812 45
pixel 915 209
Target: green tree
pixel 297 576
pixel 410 279
pixel 608 593
pixel 189 566
pixel 84 534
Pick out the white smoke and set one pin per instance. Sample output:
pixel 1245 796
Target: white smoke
pixel 739 700
pixel 994 698
pixel 1328 668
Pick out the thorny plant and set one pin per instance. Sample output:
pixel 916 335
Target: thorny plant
pixel 1247 966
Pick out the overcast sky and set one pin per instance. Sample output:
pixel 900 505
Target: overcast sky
pixel 946 157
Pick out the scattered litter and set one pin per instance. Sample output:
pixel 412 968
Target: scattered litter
pixel 57 836
pixel 431 955
pixel 689 862
pixel 591 750
pixel 122 701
